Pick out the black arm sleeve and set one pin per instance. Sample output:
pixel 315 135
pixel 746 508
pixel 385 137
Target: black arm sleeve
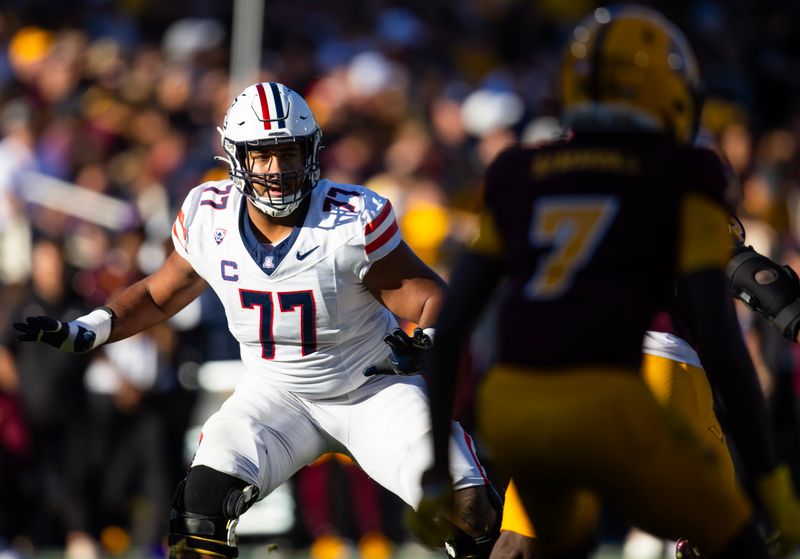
pixel 713 323
pixel 767 288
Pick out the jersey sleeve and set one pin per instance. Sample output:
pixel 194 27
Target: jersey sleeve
pixel 380 234
pixel 181 226
pixel 705 240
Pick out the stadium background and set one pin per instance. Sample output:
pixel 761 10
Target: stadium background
pixel 108 115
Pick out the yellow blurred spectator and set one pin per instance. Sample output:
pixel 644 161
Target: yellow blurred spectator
pixel 425 226
pixel 27 49
pixel 720 113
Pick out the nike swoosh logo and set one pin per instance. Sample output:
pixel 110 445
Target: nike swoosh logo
pixel 302 255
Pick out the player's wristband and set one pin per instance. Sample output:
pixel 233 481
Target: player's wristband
pixel 98 321
pixel 430 332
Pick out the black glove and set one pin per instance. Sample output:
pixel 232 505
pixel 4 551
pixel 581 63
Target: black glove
pixel 408 354
pixel 71 336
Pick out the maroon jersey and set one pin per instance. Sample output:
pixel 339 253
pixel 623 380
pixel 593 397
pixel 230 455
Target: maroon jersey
pixel 589 233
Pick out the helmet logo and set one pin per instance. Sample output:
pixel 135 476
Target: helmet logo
pixel 272 110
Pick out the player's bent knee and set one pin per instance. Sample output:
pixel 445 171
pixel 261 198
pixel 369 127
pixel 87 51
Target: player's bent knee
pixel 205 510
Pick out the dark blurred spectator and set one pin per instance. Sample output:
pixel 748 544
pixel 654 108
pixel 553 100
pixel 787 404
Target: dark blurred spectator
pixel 53 507
pixel 129 443
pixel 339 504
pixel 129 437
pixel 15 447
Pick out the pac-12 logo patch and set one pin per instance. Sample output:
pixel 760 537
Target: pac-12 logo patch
pixel 219 235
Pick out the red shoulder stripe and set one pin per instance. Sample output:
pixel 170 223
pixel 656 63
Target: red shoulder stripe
pixel 382 239
pixel 183 227
pixel 379 219
pixel 177 236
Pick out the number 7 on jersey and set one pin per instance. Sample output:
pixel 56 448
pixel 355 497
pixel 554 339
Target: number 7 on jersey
pixel 570 228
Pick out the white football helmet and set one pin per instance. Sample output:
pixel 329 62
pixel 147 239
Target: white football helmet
pixel 265 114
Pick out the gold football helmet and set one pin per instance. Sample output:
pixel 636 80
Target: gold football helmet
pixel 628 67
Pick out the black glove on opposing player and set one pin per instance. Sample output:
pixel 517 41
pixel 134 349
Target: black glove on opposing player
pixel 408 354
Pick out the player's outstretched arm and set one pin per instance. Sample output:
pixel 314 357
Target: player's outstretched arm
pixel 727 363
pixel 155 298
pixel 139 307
pixel 474 278
pixel 730 370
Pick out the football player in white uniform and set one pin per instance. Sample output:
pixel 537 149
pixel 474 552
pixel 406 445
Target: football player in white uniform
pixel 312 275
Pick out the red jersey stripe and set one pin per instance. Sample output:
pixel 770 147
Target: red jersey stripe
pixel 262 96
pixel 382 239
pixel 175 232
pixel 471 447
pixel 183 228
pixel 378 221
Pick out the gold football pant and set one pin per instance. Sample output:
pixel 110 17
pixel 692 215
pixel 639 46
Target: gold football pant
pixel 571 437
pixel 678 386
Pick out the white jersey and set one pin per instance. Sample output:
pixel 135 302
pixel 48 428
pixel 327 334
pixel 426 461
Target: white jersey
pixel 303 317
pixel 670 346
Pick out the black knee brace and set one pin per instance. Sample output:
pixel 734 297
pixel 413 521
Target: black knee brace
pixel 464 546
pixel 205 510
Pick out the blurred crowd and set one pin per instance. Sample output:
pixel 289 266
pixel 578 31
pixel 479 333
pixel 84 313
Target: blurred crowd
pixel 108 116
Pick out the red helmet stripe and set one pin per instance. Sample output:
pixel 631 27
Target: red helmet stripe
pixel 262 96
pixel 276 98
